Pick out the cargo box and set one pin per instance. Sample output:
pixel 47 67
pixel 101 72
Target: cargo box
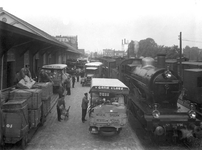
pixel 25 83
pixel 46 89
pixel 15 124
pixel 46 104
pixel 34 117
pixel 33 96
pixel 50 88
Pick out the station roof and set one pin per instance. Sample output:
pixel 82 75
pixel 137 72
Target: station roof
pixel 11 36
pixel 22 28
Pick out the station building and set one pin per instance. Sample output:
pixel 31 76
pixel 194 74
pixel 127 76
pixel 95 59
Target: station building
pixel 24 44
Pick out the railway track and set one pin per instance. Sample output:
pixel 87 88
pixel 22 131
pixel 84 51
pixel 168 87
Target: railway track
pixel 180 145
pixel 150 143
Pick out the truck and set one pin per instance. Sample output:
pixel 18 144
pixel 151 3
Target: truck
pixel 92 70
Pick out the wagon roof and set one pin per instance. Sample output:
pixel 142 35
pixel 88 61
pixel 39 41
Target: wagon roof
pixel 192 63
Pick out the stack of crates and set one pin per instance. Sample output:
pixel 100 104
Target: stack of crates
pixel 50 85
pixel 47 92
pixel 34 102
pixel 15 120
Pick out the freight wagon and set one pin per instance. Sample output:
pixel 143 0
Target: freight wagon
pixel 23 111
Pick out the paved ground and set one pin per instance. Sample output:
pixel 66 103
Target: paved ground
pixel 72 134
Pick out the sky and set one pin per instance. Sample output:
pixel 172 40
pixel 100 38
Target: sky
pixel 102 24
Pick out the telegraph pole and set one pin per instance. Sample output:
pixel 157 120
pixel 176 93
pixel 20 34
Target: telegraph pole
pixel 180 65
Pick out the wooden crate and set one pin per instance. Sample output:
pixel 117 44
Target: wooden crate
pixel 46 105
pixel 34 117
pixel 15 124
pixel 45 87
pixel 33 96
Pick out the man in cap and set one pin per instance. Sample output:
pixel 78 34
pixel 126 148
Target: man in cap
pixel 43 77
pixel 84 106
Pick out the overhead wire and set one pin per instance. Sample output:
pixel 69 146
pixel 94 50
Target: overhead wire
pixel 191 41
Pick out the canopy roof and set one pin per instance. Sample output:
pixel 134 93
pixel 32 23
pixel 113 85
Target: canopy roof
pixel 54 66
pixel 91 68
pixel 93 64
pixel 108 85
pixel 24 32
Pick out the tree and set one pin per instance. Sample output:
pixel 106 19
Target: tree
pixel 193 53
pixel 147 48
pixel 172 52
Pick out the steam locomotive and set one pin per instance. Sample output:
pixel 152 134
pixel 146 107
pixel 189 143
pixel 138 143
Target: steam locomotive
pixel 155 90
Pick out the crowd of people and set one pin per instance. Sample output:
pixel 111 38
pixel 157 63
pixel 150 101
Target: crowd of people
pixel 68 82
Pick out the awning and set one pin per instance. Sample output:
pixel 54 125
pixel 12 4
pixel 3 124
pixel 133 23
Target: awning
pixel 11 36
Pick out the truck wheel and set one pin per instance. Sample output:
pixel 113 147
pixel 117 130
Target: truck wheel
pixel 2 145
pixel 119 130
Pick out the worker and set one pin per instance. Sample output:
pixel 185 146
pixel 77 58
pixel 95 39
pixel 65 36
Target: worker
pixel 43 77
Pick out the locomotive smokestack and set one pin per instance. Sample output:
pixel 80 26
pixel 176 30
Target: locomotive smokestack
pixel 161 60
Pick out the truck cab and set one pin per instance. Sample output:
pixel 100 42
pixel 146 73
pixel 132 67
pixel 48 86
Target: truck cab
pixel 55 72
pixel 92 70
pixel 107 111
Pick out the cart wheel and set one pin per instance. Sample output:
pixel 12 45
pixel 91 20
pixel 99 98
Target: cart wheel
pixel 42 121
pixel 24 142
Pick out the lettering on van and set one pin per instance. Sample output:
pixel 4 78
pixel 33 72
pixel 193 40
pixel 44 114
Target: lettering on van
pixel 108 88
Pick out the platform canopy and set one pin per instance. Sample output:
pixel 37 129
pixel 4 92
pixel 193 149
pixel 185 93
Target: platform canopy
pixel 15 31
pixel 55 66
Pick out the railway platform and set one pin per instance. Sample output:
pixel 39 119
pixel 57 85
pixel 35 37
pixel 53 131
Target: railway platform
pixel 72 134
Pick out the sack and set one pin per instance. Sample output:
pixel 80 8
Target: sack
pixel 25 83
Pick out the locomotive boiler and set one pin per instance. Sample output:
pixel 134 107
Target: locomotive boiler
pixel 157 85
pixel 155 90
